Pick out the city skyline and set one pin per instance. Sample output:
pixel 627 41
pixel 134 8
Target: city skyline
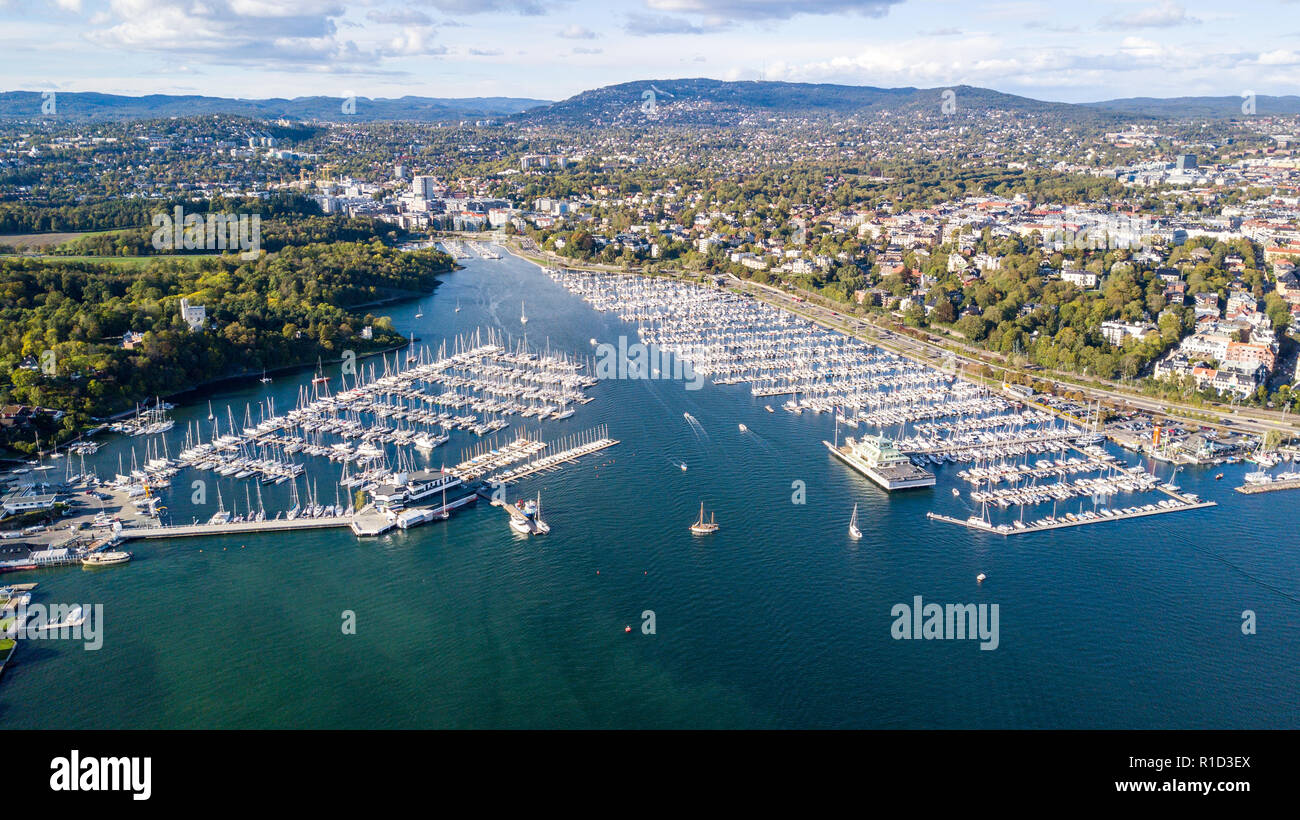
pixel 520 48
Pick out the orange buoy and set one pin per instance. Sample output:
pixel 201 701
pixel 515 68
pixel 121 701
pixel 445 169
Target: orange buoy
pixel 627 629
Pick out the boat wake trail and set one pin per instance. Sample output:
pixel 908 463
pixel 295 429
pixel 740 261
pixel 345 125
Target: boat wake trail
pixel 762 442
pixel 491 311
pixel 1266 585
pixel 696 427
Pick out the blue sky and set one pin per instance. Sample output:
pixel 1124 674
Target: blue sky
pixel 551 49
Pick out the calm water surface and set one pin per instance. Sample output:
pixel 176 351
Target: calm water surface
pixel 778 620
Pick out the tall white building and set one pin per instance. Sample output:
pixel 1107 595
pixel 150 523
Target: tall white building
pixel 422 186
pixel 194 315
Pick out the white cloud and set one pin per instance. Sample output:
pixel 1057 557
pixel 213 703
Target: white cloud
pixel 1281 56
pixel 741 10
pixel 414 42
pixel 1160 15
pixel 577 32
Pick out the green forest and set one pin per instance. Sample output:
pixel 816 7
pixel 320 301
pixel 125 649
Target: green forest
pixel 281 309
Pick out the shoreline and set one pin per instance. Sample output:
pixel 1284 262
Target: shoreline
pixel 101 423
pixel 870 330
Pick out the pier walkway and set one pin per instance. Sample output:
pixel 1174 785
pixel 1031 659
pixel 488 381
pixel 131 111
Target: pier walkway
pixel 554 462
pixel 233 528
pixel 1039 526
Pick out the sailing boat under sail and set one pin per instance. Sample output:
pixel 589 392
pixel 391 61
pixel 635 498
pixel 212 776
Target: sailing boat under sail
pixel 523 317
pixel 854 532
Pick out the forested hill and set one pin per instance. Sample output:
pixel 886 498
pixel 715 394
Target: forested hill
pixel 285 308
pixel 94 106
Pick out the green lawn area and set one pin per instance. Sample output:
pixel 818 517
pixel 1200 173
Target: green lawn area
pixel 125 261
pixel 46 240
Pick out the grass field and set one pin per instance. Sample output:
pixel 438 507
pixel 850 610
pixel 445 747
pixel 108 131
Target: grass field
pixel 47 240
pixel 123 261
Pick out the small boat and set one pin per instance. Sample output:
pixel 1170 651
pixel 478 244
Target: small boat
pixel 683 466
pixel 542 527
pixel 593 341
pixel 979 579
pixel 702 527
pixel 956 492
pixel 76 617
pixel 523 317
pixel 1218 476
pixel 525 518
pixel 854 532
pixel 768 408
pixel 520 525
pixel 419 312
pixel 744 429
pixel 105 559
pixel 458 306
pixel 265 378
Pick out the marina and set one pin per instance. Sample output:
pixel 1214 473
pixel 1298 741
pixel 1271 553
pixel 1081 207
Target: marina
pixel 381 430
pixel 619 542
pixel 923 418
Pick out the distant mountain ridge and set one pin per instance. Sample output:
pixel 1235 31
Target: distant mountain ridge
pixel 691 101
pixel 1214 107
pixel 715 102
pixel 89 105
pixel 705 102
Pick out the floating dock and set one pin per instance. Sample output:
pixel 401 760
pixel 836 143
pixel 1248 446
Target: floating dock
pixel 366 522
pixel 980 525
pixel 555 460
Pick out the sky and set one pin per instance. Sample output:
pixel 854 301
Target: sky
pixel 552 49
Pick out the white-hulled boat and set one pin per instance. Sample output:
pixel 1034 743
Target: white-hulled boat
pixel 105 559
pixel 702 527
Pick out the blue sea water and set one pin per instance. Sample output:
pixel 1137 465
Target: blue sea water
pixel 777 620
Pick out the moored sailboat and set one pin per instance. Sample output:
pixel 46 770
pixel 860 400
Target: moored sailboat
pixel 702 527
